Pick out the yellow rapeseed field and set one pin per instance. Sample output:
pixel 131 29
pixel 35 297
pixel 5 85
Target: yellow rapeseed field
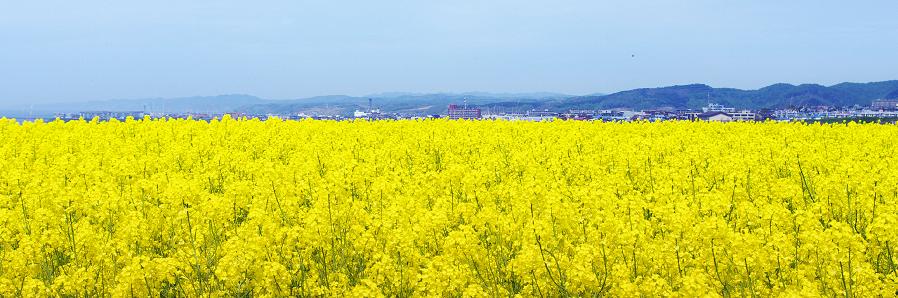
pixel 447 208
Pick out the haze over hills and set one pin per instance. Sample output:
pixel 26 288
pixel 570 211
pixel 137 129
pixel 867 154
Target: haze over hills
pixel 196 104
pixel 533 95
pixel 676 97
pixel 673 97
pixel 396 102
pixel 403 102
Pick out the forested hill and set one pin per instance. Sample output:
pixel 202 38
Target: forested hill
pixel 773 96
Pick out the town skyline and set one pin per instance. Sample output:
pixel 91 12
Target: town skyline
pixel 874 101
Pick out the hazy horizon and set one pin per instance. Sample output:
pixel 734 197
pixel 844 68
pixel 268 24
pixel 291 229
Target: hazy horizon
pixel 10 106
pixel 67 51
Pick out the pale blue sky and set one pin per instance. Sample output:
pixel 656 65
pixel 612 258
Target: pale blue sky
pixel 52 51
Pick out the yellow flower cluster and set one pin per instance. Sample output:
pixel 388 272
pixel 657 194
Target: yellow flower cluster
pixel 237 207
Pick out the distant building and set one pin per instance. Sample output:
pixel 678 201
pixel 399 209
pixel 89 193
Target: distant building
pixel 541 114
pixel 658 115
pixel 687 114
pixel 456 112
pixel 716 117
pixel 713 107
pixel 614 115
pixel 885 104
pixel 359 114
pixel 371 113
pixel 107 115
pixel 786 114
pixel 535 115
pixel 744 115
pixel 579 114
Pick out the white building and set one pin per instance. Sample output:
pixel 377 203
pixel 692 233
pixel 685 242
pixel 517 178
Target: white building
pixel 744 115
pixel 716 117
pixel 713 107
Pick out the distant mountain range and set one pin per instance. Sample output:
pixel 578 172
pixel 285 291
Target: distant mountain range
pixel 400 102
pixel 673 97
pixel 406 103
pixel 773 96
